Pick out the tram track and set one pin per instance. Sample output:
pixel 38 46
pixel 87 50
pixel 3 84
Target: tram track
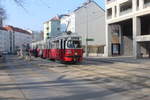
pixel 95 74
pixel 108 81
pixel 92 71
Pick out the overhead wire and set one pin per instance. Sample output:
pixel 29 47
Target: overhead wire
pixel 45 4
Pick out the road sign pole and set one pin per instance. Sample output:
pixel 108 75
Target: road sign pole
pixel 86 45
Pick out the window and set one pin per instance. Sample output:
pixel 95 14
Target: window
pixel 115 11
pixel 73 44
pixel 109 12
pixel 47 28
pixel 58 29
pixel 137 3
pixel 146 1
pixel 126 6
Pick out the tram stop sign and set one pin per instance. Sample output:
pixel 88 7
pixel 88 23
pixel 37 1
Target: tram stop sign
pixel 89 39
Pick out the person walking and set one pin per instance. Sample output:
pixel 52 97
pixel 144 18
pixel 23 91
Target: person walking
pixel 28 53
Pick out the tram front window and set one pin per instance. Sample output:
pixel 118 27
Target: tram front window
pixel 73 44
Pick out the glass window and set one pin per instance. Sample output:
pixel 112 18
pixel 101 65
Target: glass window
pixel 73 44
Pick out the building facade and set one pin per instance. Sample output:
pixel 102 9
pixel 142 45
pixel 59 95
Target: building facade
pixel 90 24
pixel 4 40
pixel 36 35
pixel 17 37
pixel 68 22
pixel 88 21
pixel 52 27
pixel 128 28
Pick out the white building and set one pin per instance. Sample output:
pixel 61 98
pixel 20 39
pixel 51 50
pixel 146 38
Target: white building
pixel 68 22
pixel 128 27
pixel 88 21
pixel 52 27
pixel 4 40
pixel 36 36
pixel 18 37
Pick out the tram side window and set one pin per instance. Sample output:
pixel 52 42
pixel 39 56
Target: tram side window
pixel 57 45
pixel 74 44
pixel 64 44
pixel 61 43
pixel 50 45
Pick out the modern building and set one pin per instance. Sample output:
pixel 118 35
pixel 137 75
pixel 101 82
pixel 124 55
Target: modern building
pixel 128 28
pixel 88 20
pixel 18 37
pixel 52 27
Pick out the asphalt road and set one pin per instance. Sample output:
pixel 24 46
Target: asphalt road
pixel 24 80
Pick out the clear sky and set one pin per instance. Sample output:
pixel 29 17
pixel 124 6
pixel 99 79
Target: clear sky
pixel 38 11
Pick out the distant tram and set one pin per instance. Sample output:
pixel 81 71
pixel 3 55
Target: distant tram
pixel 65 48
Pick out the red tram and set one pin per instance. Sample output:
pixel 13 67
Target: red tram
pixel 65 48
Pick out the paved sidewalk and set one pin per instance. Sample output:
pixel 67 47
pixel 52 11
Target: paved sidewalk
pixel 41 79
pixel 124 76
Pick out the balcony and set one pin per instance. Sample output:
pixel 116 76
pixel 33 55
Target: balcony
pixel 146 3
pixel 110 1
pixel 126 7
pixel 143 38
pixel 125 12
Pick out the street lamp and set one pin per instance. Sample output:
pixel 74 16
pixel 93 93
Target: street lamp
pixel 86 38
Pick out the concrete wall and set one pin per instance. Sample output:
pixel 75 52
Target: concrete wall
pixel 127 46
pixel 135 13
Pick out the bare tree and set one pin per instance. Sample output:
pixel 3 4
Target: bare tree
pixel 19 2
pixel 3 11
pixel 3 14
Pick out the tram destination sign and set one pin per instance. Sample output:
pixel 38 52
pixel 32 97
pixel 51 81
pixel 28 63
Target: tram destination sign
pixel 75 38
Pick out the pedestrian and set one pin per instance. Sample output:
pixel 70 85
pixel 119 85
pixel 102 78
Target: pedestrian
pixel 28 53
pixel 21 53
pixel 36 52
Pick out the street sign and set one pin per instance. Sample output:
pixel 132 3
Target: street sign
pixel 89 39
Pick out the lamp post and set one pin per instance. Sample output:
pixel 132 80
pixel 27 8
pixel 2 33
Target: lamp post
pixel 86 38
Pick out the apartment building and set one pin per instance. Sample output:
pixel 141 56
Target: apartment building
pixel 90 24
pixel 52 27
pixel 4 40
pixel 18 37
pixel 36 35
pixel 88 20
pixel 128 28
